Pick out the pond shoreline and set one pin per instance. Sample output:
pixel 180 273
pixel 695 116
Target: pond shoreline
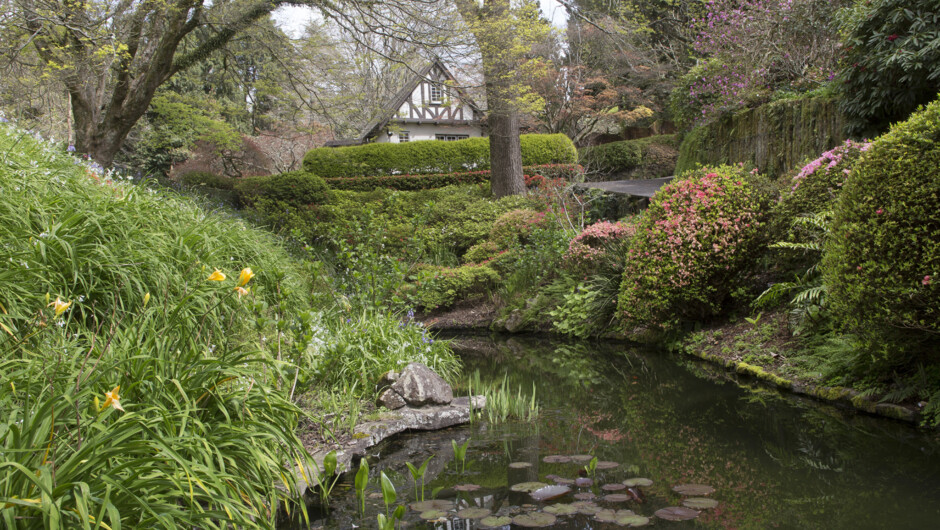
pixel 483 317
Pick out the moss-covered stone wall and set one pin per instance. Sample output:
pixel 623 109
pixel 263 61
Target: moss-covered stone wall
pixel 775 137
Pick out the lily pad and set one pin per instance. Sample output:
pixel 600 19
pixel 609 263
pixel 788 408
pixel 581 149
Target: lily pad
pixel 586 507
pixel 534 520
pixel 581 459
pixel 561 509
pixel 616 486
pixel 583 482
pixel 585 496
pixel 604 464
pixel 637 481
pixel 700 503
pixel 550 492
pixel 433 515
pixel 693 490
pixel 606 516
pixel 473 513
pixel 520 465
pixel 562 481
pixel 556 459
pixel 633 520
pixel 677 513
pixel 495 522
pixel 466 487
pixel 616 497
pixel 527 487
pixel 427 506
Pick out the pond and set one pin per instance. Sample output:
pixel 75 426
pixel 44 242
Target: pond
pixel 773 460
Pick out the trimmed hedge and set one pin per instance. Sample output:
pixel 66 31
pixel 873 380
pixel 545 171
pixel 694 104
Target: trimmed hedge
pixel 431 156
pixel 206 179
pixel 650 157
pixel 439 180
pixel 296 188
pixel 882 263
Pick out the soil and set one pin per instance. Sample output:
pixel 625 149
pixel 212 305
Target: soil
pixel 477 314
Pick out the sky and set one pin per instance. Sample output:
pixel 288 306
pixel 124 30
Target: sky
pixel 293 18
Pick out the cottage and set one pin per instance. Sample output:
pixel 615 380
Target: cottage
pixel 429 107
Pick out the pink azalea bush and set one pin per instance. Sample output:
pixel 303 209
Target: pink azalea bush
pixel 588 250
pixel 691 246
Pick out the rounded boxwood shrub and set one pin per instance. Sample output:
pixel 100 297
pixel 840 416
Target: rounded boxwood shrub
pixel 380 159
pixel 515 226
pixel 691 246
pixel 883 260
pixel 206 179
pixel 296 188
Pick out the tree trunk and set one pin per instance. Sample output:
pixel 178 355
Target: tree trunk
pixel 505 154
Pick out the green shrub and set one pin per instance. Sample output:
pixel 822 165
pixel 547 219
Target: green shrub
pixel 440 287
pixel 482 251
pixel 206 179
pixel 882 264
pixel 891 62
pixel 473 154
pixel 515 226
pixel 295 188
pixel 651 157
pixel 691 247
pixel 411 182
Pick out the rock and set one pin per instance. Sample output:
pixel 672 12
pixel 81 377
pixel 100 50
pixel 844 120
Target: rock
pixel 420 386
pixel 514 322
pixel 386 380
pixel 391 400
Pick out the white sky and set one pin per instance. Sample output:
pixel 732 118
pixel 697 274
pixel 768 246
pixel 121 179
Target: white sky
pixel 292 19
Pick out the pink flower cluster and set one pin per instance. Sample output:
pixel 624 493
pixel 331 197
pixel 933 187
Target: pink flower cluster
pixel 587 249
pixel 831 159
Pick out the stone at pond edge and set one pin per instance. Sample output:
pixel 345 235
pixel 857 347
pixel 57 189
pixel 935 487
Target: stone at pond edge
pixel 420 386
pixel 473 513
pixel 427 506
pixel 696 490
pixel 699 503
pixel 534 520
pixel 386 380
pixel 677 513
pixel 390 400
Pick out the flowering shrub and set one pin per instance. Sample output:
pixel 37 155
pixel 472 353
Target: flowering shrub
pixel 590 247
pixel 690 247
pixel 882 262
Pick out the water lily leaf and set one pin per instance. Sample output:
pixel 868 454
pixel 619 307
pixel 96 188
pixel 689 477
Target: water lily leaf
pixel 604 464
pixel 527 487
pixel 562 481
pixel 584 496
pixel 633 520
pixel 534 520
pixel 581 459
pixel 520 465
pixel 427 506
pixel 606 516
pixel 638 481
pixel 561 509
pixel 700 503
pixel 473 513
pixel 616 497
pixel 550 492
pixel 586 507
pixel 433 515
pixel 677 513
pixel 616 486
pixel 583 482
pixel 556 459
pixel 696 490
pixel 466 487
pixel 495 522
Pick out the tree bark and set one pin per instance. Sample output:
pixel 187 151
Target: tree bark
pixel 505 154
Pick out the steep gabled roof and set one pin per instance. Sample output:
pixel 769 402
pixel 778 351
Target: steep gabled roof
pixel 400 98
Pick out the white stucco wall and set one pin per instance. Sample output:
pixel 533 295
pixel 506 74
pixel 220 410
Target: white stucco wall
pixel 427 131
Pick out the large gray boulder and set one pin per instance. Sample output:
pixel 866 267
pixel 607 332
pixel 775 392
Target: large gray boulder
pixel 418 385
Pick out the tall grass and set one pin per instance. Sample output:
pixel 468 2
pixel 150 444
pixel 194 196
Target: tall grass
pixel 206 434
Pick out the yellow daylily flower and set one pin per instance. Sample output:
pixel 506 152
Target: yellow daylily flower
pixel 217 276
pixel 242 291
pixel 112 399
pixel 60 306
pixel 245 276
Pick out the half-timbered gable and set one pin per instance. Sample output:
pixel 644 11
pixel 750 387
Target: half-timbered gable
pixel 430 107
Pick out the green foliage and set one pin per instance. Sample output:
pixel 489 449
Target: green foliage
pixel 892 60
pixel 133 265
pixel 473 154
pixel 883 260
pixel 575 315
pixel 515 226
pixel 482 251
pixel 195 179
pixel 691 248
pixel 295 188
pixel 408 182
pixel 442 286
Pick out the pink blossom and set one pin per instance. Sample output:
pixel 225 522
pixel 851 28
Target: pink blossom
pixel 926 280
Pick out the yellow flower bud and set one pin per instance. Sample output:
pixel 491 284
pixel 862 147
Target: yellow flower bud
pixel 217 276
pixel 146 299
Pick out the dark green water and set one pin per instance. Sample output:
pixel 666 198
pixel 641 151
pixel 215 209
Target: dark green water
pixel 775 460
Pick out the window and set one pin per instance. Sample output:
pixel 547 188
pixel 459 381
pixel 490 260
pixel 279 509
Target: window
pixel 451 137
pixel 437 93
pixel 403 137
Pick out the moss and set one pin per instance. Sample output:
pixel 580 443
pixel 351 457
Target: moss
pixel 835 393
pixel 862 403
pixel 760 373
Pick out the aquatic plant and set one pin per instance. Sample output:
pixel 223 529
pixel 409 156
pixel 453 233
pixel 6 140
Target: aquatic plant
pixel 460 454
pixel 361 482
pixel 418 473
